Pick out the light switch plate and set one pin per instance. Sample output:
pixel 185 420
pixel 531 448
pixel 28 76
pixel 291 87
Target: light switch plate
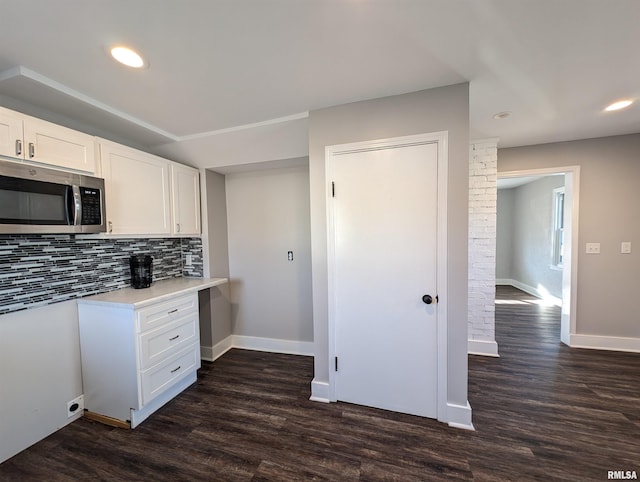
pixel 625 247
pixel 593 248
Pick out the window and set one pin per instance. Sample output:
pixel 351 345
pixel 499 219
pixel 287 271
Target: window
pixel 557 230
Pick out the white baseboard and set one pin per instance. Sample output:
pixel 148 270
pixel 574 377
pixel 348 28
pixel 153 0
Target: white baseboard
pixel 482 347
pixel 290 347
pixel 597 342
pixel 212 353
pixel 504 282
pixel 319 392
pixel 459 416
pixel 554 300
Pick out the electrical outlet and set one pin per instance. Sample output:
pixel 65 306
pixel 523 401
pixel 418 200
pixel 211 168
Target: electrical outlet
pixel 625 247
pixel 75 406
pixel 593 248
pixel 188 259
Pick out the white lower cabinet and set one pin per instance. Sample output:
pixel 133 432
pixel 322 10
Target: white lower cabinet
pixel 136 360
pixel 161 377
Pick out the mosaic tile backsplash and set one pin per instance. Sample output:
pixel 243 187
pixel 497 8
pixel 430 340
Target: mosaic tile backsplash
pixel 37 270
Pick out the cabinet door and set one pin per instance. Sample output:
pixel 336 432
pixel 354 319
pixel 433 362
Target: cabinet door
pixel 11 134
pixel 185 200
pixel 58 146
pixel 137 191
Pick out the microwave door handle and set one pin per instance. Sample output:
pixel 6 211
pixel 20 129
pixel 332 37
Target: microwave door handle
pixel 74 206
pixel 70 205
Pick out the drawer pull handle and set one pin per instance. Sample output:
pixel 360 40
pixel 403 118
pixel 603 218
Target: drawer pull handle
pixel 175 369
pixel 172 311
pixel 174 338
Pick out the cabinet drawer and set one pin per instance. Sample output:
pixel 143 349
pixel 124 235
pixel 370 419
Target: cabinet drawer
pixel 159 344
pixel 162 376
pixel 165 312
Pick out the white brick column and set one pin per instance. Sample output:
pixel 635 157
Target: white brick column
pixel 483 193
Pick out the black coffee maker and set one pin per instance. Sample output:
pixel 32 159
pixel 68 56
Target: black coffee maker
pixel 141 271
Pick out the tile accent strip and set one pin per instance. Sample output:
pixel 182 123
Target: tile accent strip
pixel 37 270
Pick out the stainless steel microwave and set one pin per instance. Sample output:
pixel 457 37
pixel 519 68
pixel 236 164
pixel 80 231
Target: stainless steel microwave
pixel 39 200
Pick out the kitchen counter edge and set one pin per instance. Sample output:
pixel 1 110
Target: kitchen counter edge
pixel 158 291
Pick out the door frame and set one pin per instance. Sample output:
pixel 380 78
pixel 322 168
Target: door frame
pixel 331 153
pixel 569 269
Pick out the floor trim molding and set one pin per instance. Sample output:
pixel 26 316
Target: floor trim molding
pixel 212 353
pixel 483 348
pixel 459 416
pixel 290 347
pixel 613 343
pixel 319 391
pixel 273 345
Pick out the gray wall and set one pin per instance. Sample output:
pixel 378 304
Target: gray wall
pixel 215 307
pixel 441 109
pixel 608 283
pixel 526 218
pixel 504 234
pixel 268 215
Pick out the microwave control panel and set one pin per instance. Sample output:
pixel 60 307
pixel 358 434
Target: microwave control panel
pixel 91 206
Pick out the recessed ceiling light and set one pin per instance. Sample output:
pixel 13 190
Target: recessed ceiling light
pixel 502 115
pixel 127 56
pixel 621 104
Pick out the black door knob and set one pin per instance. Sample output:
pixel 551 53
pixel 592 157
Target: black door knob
pixel 427 299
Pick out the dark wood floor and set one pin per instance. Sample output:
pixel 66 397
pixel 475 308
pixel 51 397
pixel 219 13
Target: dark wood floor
pixel 541 412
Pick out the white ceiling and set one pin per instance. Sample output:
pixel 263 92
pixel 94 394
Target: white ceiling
pixel 231 82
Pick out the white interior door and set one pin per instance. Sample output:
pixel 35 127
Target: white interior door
pixel 383 222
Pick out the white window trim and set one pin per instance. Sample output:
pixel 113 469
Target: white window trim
pixel 556 261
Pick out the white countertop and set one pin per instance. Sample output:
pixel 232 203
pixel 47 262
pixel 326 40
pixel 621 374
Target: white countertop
pixel 158 291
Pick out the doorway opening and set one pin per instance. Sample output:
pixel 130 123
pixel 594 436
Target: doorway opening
pixel 551 276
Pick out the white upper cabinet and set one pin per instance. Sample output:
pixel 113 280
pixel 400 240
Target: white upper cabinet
pixel 145 195
pixel 185 200
pixel 11 142
pixel 137 191
pixel 58 146
pixel 35 140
